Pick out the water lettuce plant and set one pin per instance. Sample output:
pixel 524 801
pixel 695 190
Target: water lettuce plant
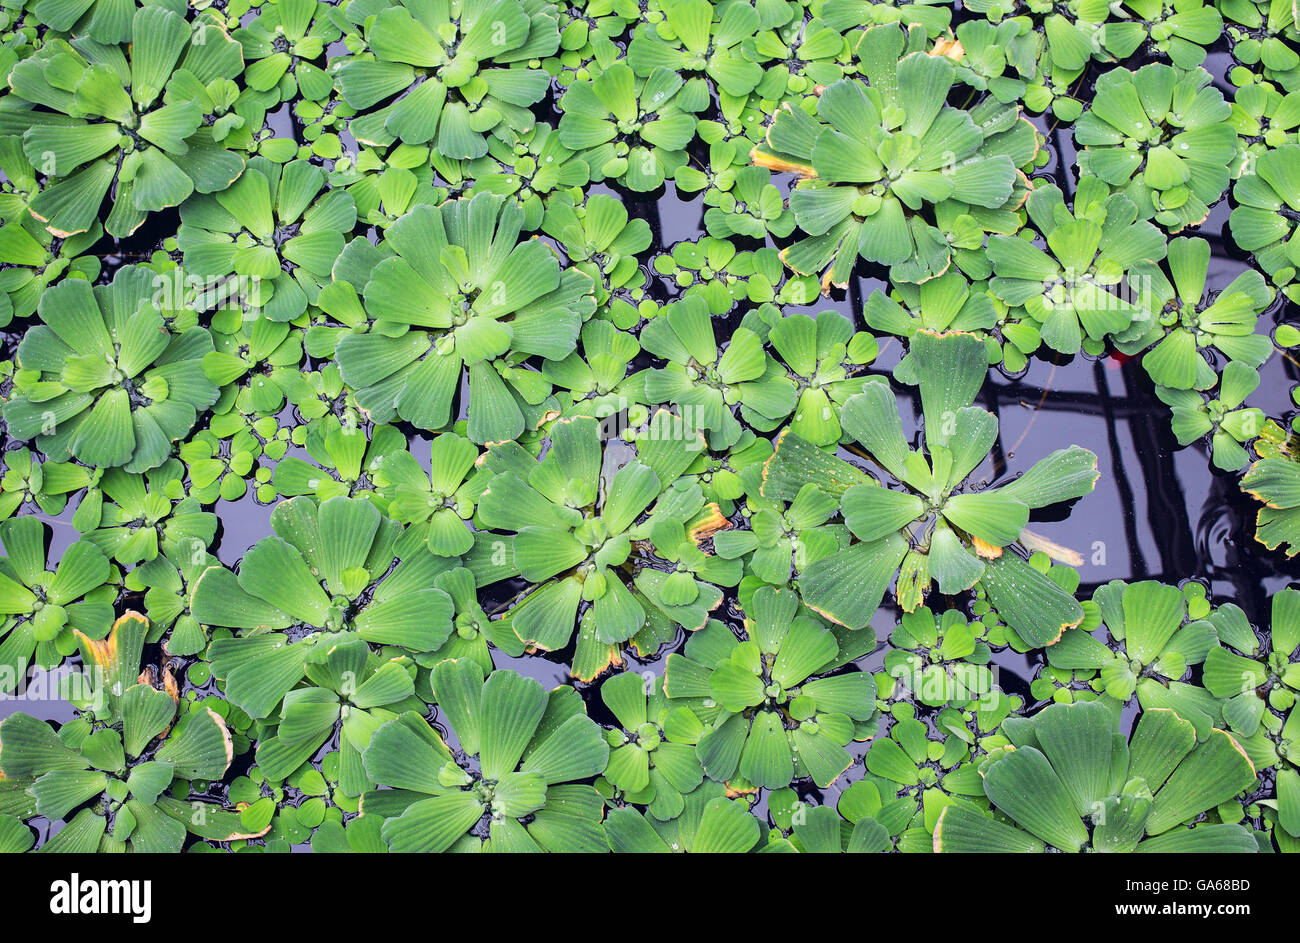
pixel 96 119
pixel 931 528
pixel 1160 135
pixel 582 538
pixel 878 153
pixel 1152 641
pixel 1218 414
pixel 44 608
pixel 110 377
pixel 94 765
pixel 652 759
pixel 1068 781
pixel 530 746
pixel 1186 325
pixel 771 712
pixel 324 575
pixel 632 128
pixel 452 290
pixel 450 72
pixel 1076 294
pixel 275 227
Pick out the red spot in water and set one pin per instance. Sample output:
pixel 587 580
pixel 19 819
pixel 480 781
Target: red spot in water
pixel 1116 360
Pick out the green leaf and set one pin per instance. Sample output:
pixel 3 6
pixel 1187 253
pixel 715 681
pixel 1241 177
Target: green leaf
pixel 1023 785
pixel 1214 772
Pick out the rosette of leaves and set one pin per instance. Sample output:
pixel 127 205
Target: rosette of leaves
pixel 797 57
pixel 1162 136
pixel 537 166
pixel 783 537
pixel 696 36
pixel 741 199
pixel 386 182
pixel 1258 683
pixel 438 503
pixel 1152 641
pixel 166 581
pixel 281 45
pixel 322 574
pixel 732 475
pixel 594 378
pixel 220 469
pixel 1180 29
pixel 1186 321
pixel 234 117
pixel 257 363
pixel 475 634
pixel 513 781
pixel 935 526
pixel 652 759
pixel 1077 296
pixel 96 765
pixel 947 303
pixel 129 517
pixel 1054 86
pixel 1071 781
pixel 31 484
pixel 109 378
pixel 323 122
pixel 90 119
pixel 276 228
pixel 454 72
pixel 34 258
pixel 1275 482
pixel 42 607
pixel 877 155
pixel 629 128
pixel 598 238
pixel 772 710
pixel 1222 417
pixel 824 357
pixel 711 822
pixel 918 770
pixel 714 270
pixel 345 457
pixel 579 534
pixel 588 31
pixel 988 50
pixel 1263 222
pixel 457 291
pixel 349 690
pixel 939 658
pixel 1265 118
pixel 707 382
pixel 1267 40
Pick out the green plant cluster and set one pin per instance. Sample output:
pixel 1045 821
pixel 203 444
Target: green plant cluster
pixel 375 272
